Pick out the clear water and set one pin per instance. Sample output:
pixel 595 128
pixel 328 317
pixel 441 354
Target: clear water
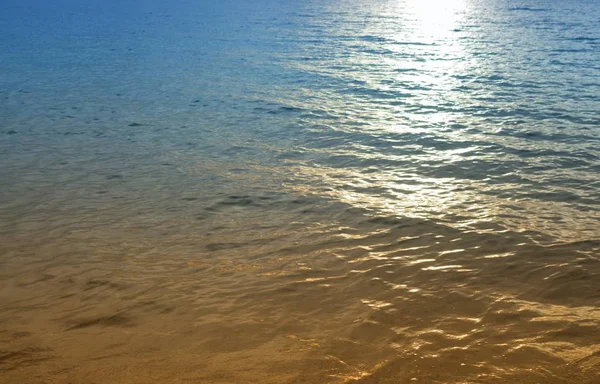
pixel 316 191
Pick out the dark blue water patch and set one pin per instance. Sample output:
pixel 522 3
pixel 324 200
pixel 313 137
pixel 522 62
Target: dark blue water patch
pixel 483 53
pixel 285 110
pixel 570 50
pixel 303 15
pixel 571 138
pixel 500 81
pixel 271 108
pixel 372 38
pixel 492 77
pixel 583 38
pixel 405 70
pixel 528 9
pixel 374 51
pixel 239 150
pixel 298 154
pixel 588 123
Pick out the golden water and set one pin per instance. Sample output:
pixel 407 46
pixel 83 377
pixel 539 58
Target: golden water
pixel 272 290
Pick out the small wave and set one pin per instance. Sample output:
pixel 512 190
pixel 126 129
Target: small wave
pixel 528 9
pixel 417 43
pixel 584 38
pixel 373 38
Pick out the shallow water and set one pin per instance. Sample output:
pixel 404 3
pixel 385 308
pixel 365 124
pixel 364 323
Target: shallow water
pixel 325 192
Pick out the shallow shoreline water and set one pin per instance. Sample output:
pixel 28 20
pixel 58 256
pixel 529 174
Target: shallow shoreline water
pixel 382 299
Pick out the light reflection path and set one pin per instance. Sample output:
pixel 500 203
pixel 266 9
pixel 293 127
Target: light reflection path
pixel 420 134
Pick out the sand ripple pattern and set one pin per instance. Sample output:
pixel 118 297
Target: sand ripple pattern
pixel 298 297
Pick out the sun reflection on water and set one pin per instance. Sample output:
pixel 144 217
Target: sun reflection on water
pixel 436 18
pixel 413 140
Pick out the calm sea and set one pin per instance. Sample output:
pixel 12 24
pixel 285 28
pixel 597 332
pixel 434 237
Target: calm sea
pixel 333 191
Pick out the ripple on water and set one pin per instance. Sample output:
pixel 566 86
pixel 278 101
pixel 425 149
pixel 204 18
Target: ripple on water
pixel 317 192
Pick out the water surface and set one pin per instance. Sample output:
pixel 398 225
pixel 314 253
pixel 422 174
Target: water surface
pixel 324 192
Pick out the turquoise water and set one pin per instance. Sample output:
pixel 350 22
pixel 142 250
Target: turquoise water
pixel 403 189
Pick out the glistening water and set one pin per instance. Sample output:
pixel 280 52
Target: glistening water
pixel 277 191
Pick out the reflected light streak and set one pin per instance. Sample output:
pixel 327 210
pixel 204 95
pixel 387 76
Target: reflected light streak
pixel 436 17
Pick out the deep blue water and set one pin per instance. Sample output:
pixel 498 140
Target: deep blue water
pixel 462 112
